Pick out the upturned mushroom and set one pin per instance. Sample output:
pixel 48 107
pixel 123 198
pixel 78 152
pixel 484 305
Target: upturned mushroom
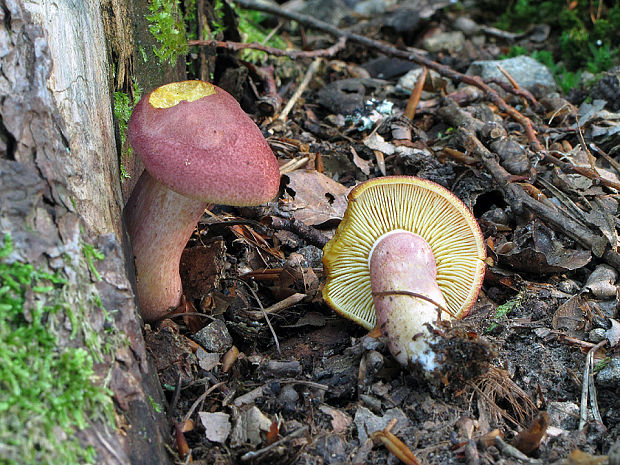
pixel 198 147
pixel 407 253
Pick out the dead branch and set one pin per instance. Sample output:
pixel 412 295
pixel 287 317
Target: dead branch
pixel 311 235
pixel 300 90
pixel 236 46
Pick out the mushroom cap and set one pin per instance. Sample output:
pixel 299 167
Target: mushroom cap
pixel 381 205
pixel 194 138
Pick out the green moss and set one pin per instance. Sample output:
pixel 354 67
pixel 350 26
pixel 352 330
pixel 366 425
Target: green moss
pixel 502 310
pixel 585 42
pixel 167 26
pixel 156 406
pixel 252 31
pixel 47 392
pixel 249 26
pixel 123 106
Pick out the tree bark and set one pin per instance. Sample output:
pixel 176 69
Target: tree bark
pixel 60 189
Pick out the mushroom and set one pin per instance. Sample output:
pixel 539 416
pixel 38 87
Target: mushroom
pixel 198 147
pixel 407 253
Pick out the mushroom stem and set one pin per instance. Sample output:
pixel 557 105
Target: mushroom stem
pixel 159 222
pixel 406 296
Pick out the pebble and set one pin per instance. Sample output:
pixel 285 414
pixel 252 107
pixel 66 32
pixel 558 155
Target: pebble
pixel 601 283
pixel 564 415
pixel 609 376
pixel 447 42
pixel 214 337
pixel 529 73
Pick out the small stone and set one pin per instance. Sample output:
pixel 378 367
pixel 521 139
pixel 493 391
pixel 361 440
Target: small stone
pixel 214 337
pixel 367 422
pixel 370 7
pixel 607 307
pixel 447 42
pixel 542 332
pixel 371 343
pixel 569 286
pixel 288 397
pixel 601 283
pixel 609 376
pixel 597 335
pixel 407 82
pixel 529 73
pixel 207 360
pixel 466 25
pixel 564 415
pixel 216 425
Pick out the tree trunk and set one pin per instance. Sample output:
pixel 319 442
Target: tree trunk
pixel 61 204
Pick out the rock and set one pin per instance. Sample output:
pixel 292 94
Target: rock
pixel 569 286
pixel 370 7
pixel 467 25
pixel 214 337
pixel 597 335
pixel 344 96
pixel 607 307
pixel 216 425
pixel 564 415
pixel 407 82
pixel 367 422
pixel 330 11
pixel 288 398
pixel 609 376
pixel 608 89
pixel 601 283
pixel 207 360
pixel 249 428
pixel 447 42
pixel 529 73
pixel 404 21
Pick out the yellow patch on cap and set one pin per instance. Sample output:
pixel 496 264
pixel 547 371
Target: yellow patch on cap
pixel 172 94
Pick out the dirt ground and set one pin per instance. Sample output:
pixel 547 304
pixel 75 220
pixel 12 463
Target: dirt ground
pixel 258 369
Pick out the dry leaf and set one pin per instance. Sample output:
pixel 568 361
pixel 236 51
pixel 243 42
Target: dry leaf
pixel 316 198
pixel 249 428
pixel 569 315
pixel 613 333
pixel 527 441
pixel 217 426
pixel 363 165
pixel 578 457
pixel 340 420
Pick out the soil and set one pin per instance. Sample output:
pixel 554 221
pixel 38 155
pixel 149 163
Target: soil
pixel 306 386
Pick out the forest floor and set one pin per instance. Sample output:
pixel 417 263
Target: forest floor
pixel 258 369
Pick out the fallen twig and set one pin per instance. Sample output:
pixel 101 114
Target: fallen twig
pixel 257 453
pixel 300 90
pixel 294 164
pixel 395 445
pixel 236 46
pixel 588 389
pixel 513 452
pixel 311 235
